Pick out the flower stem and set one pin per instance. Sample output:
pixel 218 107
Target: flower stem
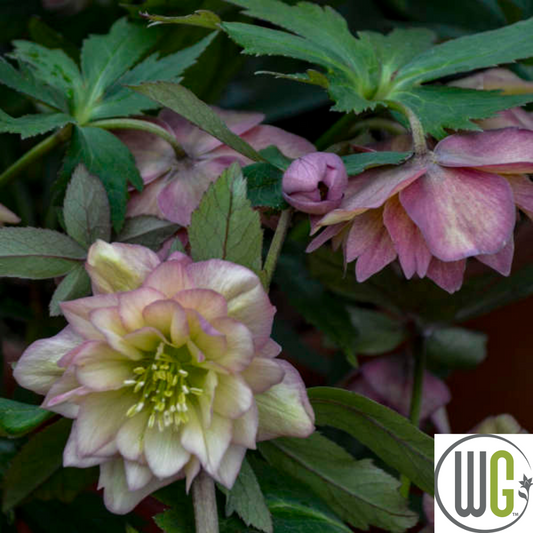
pixel 142 125
pixel 416 396
pixel 417 131
pixel 340 127
pixel 275 247
pixel 38 151
pixel 205 503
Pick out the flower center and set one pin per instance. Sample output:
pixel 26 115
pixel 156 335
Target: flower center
pixel 163 385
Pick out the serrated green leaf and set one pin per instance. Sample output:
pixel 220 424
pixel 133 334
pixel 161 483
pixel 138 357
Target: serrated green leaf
pixel 76 284
pixel 456 347
pixel 121 100
pixel 377 332
pixel 389 435
pixel 30 125
pixel 224 226
pixel 202 18
pixel 37 253
pixel 35 463
pixel 276 157
pixel 17 419
pixel 440 107
pixel 264 185
pixel 147 231
pixel 312 77
pixel 486 49
pixel 104 58
pixel 86 209
pixel 107 157
pixel 54 67
pixel 185 103
pixel 357 163
pixel 246 499
pixel 357 491
pixel 24 81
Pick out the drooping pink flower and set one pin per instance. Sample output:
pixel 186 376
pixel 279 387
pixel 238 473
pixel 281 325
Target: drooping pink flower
pixel 174 187
pixel 315 183
pixel 389 381
pixel 434 211
pixel 7 216
pixel 174 373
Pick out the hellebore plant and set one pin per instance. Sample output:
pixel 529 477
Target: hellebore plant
pixel 168 369
pixel 174 184
pixel 432 212
pixel 7 216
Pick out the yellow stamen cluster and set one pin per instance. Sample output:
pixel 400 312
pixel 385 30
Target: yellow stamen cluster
pixel 164 387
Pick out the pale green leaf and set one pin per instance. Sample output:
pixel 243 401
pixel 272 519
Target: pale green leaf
pixel 357 491
pixel 76 284
pixel 37 253
pixel 224 226
pixel 86 209
pixel 389 435
pixel 202 18
pixel 17 419
pixel 147 231
pixel 31 125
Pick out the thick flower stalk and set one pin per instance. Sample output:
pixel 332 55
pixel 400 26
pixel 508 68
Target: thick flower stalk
pixel 168 369
pixel 436 210
pixel 174 187
pixel 7 216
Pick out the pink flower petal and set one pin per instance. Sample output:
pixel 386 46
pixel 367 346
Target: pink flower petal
pixel 409 243
pixel 461 212
pixel 269 350
pixel 263 373
pixel 369 242
pixel 64 394
pixel 509 150
pixel 328 233
pixel 208 303
pixel 132 303
pixel 168 317
pixel 37 369
pixel 146 202
pixel 522 192
pixel 239 345
pixel 164 452
pixel 501 261
pixel 169 278
pixel 448 276
pixel 495 79
pixel 211 342
pixel 509 118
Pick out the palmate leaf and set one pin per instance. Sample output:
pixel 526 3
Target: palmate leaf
pixel 31 125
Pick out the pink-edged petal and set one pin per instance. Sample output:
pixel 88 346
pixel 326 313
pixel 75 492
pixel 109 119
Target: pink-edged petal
pixel 369 242
pixel 509 150
pixel 169 278
pixel 107 321
pixel 269 350
pixel 239 345
pixel 146 202
pixel 131 305
pixel 119 267
pixel 100 417
pixel 164 452
pixel 233 397
pixel 509 118
pixel 451 207
pixel 217 440
pixel 245 428
pixel 230 465
pixel 77 313
pixel 168 317
pixel 373 188
pixel 100 368
pixel 146 339
pixel 211 342
pixel 263 373
pixel 153 155
pixel 117 496
pixel 284 410
pixel 64 393
pixel 7 216
pixel 37 369
pixel 137 475
pixel 409 243
pixel 501 261
pixel 207 302
pixel 130 437
pixel 327 234
pixel 71 456
pixel 291 145
pixel 247 300
pixel 448 276
pixel 523 192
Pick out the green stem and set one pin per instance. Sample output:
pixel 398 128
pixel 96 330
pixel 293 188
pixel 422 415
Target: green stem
pixel 417 131
pixel 335 132
pixel 38 151
pixel 379 124
pixel 275 247
pixel 416 397
pixel 205 503
pixel 142 125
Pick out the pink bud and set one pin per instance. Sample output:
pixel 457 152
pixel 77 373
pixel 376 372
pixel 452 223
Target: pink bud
pixel 315 183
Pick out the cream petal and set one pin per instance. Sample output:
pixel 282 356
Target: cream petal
pixel 71 456
pixel 146 339
pixel 245 428
pixel 208 303
pixel 137 475
pixel 192 468
pixel 192 436
pixel 205 337
pixel 230 465
pixel 169 278
pixel 233 397
pixel 270 350
pixel 164 452
pixel 7 216
pixel 64 393
pixel 131 305
pixel 263 373
pixel 205 401
pixel 131 435
pixel 284 410
pixel 239 345
pixel 37 369
pixel 217 440
pixel 168 317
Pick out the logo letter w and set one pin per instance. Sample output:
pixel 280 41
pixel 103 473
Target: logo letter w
pixel 470 509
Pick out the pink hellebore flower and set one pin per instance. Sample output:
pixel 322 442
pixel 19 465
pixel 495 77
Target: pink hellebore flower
pixel 307 177
pixel 7 216
pixel 174 187
pixel 175 373
pixel 434 211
